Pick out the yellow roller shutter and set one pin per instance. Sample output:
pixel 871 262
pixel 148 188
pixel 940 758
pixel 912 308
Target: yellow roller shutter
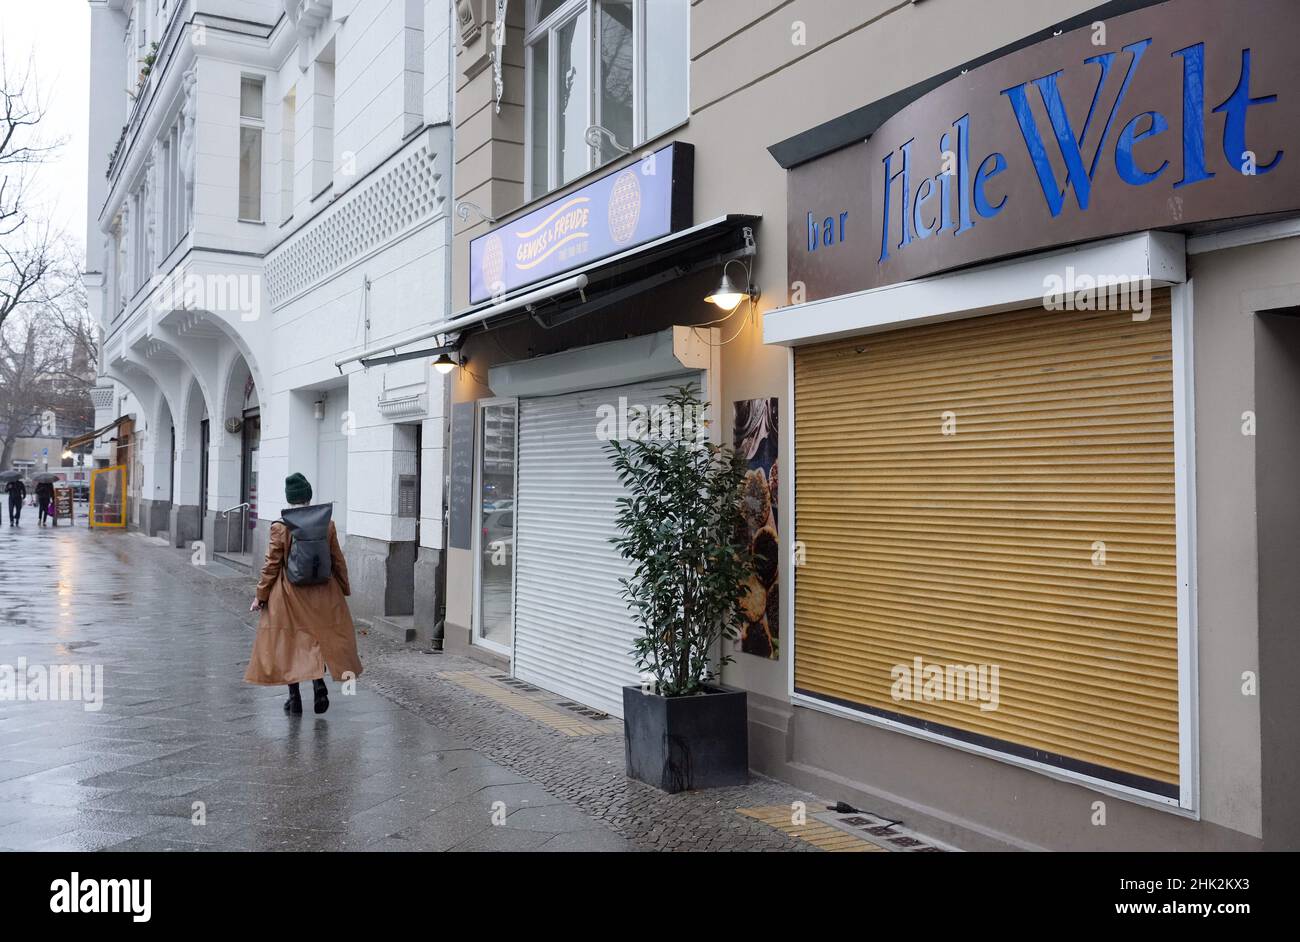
pixel 996 491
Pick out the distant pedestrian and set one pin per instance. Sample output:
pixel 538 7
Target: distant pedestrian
pixel 17 492
pixel 305 626
pixel 44 500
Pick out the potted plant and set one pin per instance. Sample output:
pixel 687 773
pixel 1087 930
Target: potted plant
pixel 680 527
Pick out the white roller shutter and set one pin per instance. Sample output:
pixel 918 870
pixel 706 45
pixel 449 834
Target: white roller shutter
pixel 573 634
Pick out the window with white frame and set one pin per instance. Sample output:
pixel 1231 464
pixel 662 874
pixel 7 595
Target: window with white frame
pixel 620 65
pixel 251 128
pixel 322 119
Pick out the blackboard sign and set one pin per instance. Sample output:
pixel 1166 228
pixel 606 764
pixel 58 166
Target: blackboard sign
pixel 63 502
pixel 460 491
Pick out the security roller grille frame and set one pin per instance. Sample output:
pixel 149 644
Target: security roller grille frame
pixel 573 633
pixel 997 491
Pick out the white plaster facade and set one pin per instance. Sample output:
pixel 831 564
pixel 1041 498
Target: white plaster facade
pixel 269 196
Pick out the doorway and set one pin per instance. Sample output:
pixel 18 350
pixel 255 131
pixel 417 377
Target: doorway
pixel 330 484
pixel 494 533
pixel 171 472
pixel 252 440
pixel 204 440
pixel 1277 515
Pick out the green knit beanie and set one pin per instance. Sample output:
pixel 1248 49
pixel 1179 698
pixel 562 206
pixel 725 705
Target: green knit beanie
pixel 297 489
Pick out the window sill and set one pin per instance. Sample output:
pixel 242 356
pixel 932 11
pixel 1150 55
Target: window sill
pixel 667 136
pixel 251 222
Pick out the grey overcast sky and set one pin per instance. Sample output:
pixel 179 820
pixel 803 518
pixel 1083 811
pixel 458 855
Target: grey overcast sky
pixel 55 34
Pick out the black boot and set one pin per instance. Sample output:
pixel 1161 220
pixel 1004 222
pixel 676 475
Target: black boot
pixel 322 695
pixel 294 703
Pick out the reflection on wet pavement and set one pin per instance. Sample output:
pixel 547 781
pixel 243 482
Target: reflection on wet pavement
pixel 185 756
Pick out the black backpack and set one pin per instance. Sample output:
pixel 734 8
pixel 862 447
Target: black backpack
pixel 308 561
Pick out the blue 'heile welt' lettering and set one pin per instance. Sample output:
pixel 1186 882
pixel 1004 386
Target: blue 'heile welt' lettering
pixel 955 199
pixel 1070 147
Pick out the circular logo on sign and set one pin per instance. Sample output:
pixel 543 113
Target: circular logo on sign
pixel 624 206
pixel 493 264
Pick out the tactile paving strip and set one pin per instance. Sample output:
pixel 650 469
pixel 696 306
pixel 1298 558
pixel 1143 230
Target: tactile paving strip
pixel 534 706
pixel 812 831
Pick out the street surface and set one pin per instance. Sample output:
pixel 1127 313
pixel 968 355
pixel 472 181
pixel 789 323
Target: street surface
pixel 182 754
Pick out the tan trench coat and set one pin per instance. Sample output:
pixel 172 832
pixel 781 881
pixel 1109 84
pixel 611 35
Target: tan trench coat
pixel 303 628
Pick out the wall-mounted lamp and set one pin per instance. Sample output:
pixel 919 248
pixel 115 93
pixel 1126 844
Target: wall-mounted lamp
pixel 444 364
pixel 318 409
pixel 594 135
pixel 727 295
pixel 465 207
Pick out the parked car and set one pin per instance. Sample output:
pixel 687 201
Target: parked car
pixel 499 531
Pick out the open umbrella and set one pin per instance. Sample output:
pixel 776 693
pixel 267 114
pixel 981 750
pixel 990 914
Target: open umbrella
pixel 45 477
pixel 7 476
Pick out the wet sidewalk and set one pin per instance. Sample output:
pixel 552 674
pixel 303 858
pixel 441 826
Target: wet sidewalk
pixel 182 755
pixel 432 752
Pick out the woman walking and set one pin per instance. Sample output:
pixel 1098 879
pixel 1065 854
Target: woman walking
pixel 44 498
pixel 305 626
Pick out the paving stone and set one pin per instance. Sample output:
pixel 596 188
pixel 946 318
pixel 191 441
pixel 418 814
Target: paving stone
pixel 153 844
pixel 589 841
pixel 503 839
pixel 82 840
pixel 297 839
pixel 551 819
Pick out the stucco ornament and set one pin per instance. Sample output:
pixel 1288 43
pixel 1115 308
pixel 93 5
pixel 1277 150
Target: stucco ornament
pixel 498 42
pixel 189 109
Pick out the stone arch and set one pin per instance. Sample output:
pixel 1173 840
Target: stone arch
pixel 238 349
pixel 233 395
pixel 163 454
pixel 198 361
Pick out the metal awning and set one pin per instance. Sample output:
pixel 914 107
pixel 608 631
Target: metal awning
pixel 593 285
pixel 91 436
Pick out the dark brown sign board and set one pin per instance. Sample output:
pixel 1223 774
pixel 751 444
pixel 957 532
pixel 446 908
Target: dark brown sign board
pixel 1181 114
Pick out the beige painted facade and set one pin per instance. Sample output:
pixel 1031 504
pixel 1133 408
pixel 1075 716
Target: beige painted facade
pixel 762 72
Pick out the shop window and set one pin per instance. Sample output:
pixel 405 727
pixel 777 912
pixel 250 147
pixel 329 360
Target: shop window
pixel 617 65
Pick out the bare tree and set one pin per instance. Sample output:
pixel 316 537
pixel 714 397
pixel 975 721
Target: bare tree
pixel 27 251
pixel 33 354
pixel 62 298
pixel 27 260
pixel 48 352
pixel 21 146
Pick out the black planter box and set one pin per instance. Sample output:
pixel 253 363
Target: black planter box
pixel 682 743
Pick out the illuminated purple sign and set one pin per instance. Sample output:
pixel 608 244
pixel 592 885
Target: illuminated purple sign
pixel 643 201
